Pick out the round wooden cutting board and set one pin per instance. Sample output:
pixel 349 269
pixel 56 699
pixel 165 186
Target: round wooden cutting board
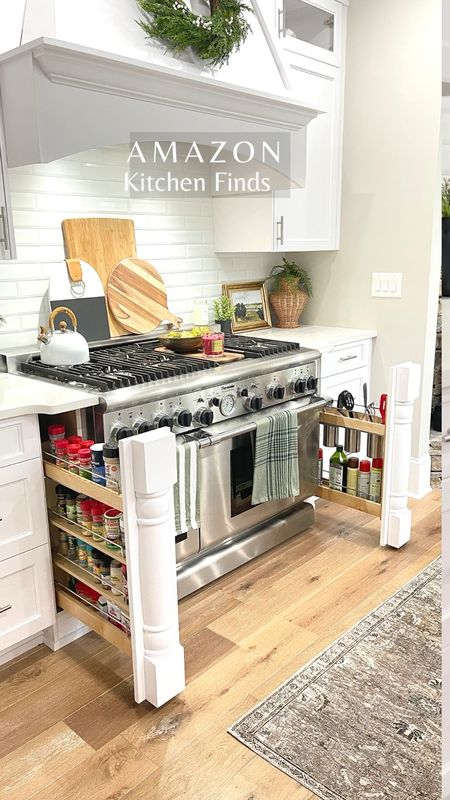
pixel 137 296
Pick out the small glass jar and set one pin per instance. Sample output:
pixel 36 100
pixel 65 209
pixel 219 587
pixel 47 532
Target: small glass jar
pixel 116 577
pixel 124 582
pixel 96 567
pixel 75 440
pixel 80 498
pixel 81 554
pixel 86 516
pixel 71 506
pixel 90 557
pixel 87 444
pixel 213 344
pixel 72 458
pixel 61 446
pixel 98 522
pixel 71 547
pixel 105 573
pixel 102 604
pixel 63 548
pixel 84 459
pixel 112 466
pixel 60 500
pixel 55 432
pixel 112 527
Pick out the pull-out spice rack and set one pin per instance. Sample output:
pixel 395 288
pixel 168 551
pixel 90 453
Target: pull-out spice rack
pixel 64 569
pixel 357 422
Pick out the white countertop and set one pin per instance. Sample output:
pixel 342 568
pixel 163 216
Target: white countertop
pixel 318 337
pixel 28 396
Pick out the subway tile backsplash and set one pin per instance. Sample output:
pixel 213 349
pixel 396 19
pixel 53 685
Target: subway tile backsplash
pixel 175 234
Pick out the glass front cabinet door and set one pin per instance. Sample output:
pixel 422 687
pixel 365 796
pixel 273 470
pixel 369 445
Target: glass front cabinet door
pixel 311 29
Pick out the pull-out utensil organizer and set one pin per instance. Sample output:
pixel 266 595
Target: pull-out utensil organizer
pixel 333 421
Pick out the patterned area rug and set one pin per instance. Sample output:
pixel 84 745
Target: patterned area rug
pixel 362 721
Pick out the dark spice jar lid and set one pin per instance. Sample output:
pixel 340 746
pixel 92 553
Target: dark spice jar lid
pixel 110 451
pixel 353 463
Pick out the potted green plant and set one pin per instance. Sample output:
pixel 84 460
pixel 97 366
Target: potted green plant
pixel 223 313
pixel 291 290
pixel 445 195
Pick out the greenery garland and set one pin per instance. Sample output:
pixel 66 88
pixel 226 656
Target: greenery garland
pixel 214 38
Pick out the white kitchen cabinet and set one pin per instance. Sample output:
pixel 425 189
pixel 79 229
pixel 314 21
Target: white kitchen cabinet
pixel 306 217
pixel 7 241
pixel 27 603
pixel 312 29
pixel 353 381
pixel 23 513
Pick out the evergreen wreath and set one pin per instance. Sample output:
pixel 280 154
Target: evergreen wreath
pixel 214 38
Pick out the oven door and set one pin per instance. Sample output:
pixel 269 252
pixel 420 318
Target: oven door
pixel 226 474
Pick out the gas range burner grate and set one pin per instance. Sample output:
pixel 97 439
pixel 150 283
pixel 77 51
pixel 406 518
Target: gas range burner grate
pixel 118 365
pixel 252 347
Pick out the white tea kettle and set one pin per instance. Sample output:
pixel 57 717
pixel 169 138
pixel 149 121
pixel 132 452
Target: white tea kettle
pixel 62 348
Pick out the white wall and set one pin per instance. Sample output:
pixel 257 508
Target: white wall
pixel 390 203
pixel 175 234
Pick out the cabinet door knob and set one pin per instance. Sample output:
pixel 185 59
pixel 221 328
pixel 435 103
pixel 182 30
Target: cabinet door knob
pixel 5 608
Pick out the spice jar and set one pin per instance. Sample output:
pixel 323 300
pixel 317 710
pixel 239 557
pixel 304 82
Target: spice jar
pixel 376 477
pixel 75 440
pixel 96 566
pixel 98 522
pixel 112 527
pixel 81 554
pixel 352 476
pixel 63 546
pixel 72 458
pixel 61 446
pixel 86 443
pixel 71 547
pixel 86 516
pixel 60 500
pixel 364 479
pixel 80 498
pixel 112 466
pixel 105 573
pixel 102 605
pixel 84 458
pixel 71 506
pixel 97 464
pixel 116 576
pixel 55 432
pixel 90 557
pixel 124 582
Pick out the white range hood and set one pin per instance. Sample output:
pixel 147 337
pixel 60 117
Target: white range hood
pixel 64 97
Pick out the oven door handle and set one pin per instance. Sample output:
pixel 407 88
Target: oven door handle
pixel 208 440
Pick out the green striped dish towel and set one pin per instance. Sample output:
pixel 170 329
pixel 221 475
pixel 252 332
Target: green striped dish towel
pixel 275 472
pixel 186 490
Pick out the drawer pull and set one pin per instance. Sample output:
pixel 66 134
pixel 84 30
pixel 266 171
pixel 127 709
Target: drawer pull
pixel 5 608
pixel 446 437
pixel 349 358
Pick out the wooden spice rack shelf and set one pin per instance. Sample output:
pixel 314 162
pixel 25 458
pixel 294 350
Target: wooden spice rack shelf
pixel 349 500
pixel 93 620
pixel 82 485
pixel 73 529
pixel 358 422
pixel 70 568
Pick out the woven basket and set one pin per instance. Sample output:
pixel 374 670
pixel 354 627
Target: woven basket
pixel 287 304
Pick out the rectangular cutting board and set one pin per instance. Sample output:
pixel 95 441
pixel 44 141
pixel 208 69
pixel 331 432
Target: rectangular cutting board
pixel 102 242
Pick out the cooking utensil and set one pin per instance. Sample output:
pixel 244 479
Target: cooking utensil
pixel 185 345
pixel 75 284
pixel 101 242
pixel 137 296
pixel 346 401
pixel 383 408
pixel 63 347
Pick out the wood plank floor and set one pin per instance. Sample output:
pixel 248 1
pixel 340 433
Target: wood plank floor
pixel 69 729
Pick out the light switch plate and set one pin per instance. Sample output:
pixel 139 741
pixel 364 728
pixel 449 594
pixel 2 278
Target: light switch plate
pixel 387 284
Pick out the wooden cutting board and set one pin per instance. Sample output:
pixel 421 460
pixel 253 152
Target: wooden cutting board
pixel 137 296
pixel 102 242
pixel 226 358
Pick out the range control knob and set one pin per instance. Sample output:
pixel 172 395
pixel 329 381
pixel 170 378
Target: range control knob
pixel 275 392
pixel 142 425
pixel 183 418
pixel 204 416
pixel 163 421
pixel 123 433
pixel 299 386
pixel 312 383
pixel 254 402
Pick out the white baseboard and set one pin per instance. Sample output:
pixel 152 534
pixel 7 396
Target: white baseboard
pixel 22 647
pixel 67 629
pixel 420 477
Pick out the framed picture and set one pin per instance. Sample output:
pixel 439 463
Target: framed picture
pixel 250 305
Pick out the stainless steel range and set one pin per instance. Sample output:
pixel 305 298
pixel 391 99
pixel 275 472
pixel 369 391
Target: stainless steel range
pixel 141 389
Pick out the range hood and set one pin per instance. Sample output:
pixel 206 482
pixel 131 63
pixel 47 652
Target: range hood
pixel 60 98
